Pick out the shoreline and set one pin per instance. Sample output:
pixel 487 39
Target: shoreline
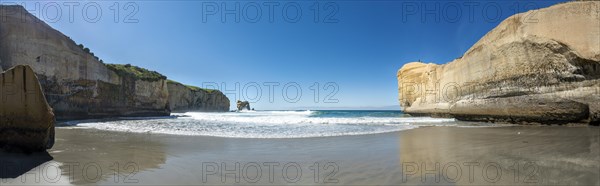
pixel 560 154
pixel 70 122
pixel 459 123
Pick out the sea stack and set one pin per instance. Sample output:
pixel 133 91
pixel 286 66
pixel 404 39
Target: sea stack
pixel 26 119
pixel 541 66
pixel 242 105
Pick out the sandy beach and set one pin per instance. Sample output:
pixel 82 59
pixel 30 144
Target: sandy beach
pixel 531 155
pixel 300 93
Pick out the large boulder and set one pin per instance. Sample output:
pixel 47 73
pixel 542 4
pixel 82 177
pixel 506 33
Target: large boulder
pixel 545 70
pixel 26 119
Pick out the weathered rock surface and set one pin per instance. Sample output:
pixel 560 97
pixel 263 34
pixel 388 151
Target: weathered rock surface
pixel 26 119
pixel 243 105
pixel 187 98
pixel 76 84
pixel 542 69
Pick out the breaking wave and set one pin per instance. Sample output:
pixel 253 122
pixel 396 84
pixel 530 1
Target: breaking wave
pixel 272 124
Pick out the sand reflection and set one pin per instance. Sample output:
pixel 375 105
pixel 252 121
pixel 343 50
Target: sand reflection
pixel 91 156
pixel 508 155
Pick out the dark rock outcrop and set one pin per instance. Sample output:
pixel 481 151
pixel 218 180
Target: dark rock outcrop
pixel 189 98
pixel 26 119
pixel 545 71
pixel 243 105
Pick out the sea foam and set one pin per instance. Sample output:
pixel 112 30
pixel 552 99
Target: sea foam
pixel 270 124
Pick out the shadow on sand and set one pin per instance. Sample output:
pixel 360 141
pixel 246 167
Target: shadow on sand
pixel 15 164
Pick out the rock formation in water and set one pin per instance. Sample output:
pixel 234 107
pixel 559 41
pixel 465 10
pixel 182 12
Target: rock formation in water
pixel 243 105
pixel 542 66
pixel 189 98
pixel 26 119
pixel 77 84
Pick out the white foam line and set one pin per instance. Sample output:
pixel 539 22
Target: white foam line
pixel 267 124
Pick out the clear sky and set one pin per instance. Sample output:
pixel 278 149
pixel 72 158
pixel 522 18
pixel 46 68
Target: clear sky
pixel 349 51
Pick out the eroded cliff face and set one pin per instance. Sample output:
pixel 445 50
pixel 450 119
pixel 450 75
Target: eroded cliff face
pixel 184 98
pixel 76 84
pixel 539 66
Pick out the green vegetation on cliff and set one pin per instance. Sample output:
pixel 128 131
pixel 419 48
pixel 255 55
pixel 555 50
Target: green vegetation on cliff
pixel 136 72
pixel 193 88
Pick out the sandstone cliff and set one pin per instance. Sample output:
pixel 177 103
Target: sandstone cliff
pixel 189 98
pixel 26 119
pixel 539 66
pixel 76 84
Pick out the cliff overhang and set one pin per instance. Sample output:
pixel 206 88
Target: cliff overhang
pixel 519 72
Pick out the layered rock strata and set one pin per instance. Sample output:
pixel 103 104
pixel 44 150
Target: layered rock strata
pixel 76 83
pixel 541 69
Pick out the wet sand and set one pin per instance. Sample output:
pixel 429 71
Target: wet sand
pixel 524 155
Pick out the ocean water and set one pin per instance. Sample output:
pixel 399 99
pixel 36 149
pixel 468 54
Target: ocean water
pixel 272 124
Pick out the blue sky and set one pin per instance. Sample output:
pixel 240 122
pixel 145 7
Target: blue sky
pixel 350 52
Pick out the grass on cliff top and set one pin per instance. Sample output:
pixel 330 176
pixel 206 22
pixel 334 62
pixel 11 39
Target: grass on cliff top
pixel 136 72
pixel 193 88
